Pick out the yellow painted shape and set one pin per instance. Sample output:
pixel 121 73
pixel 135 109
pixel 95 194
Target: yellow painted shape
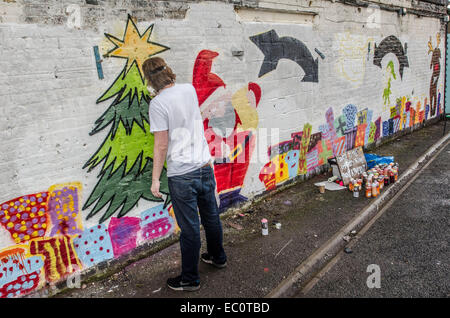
pixel 54 274
pixel 304 143
pixel 246 112
pixel 282 169
pixel 402 113
pixel 134 47
pixel 418 106
pixel 172 214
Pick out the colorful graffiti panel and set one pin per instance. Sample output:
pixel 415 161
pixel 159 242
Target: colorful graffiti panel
pixel 60 256
pixel 25 217
pixel 94 245
pixel 123 232
pixel 156 223
pixel 19 272
pixel 64 209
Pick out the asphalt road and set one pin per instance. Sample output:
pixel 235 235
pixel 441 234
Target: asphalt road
pixel 409 243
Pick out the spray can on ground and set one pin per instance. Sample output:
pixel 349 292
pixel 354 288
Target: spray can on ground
pixel 368 189
pixel 264 227
pixel 381 182
pixel 391 176
pixel 374 188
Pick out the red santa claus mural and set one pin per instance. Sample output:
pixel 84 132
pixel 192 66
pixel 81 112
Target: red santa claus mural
pixel 230 120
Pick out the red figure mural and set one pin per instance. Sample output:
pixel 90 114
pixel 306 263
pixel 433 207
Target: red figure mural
pixel 230 120
pixel 435 65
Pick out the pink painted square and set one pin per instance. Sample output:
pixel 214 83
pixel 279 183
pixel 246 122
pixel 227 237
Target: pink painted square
pixel 123 233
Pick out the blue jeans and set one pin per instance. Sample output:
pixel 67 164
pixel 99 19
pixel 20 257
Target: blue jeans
pixel 188 192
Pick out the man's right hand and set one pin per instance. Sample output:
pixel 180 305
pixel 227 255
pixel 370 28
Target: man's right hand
pixel 155 189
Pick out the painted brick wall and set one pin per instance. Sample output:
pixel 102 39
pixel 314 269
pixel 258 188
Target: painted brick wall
pixel 281 88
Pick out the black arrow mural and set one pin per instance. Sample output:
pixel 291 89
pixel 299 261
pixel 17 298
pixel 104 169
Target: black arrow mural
pixel 391 44
pixel 275 48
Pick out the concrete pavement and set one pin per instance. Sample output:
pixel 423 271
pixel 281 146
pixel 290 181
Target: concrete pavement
pixel 409 244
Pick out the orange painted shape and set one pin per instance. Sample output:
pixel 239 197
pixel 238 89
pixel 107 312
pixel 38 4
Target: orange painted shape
pixel 360 135
pixel 11 252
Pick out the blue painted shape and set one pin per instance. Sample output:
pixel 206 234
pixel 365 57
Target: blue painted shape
pixel 98 62
pixel 230 198
pixel 325 130
pixel 391 126
pixel 292 162
pixel 396 120
pixel 385 128
pixel 9 267
pixel 93 245
pixel 349 112
pixel 153 214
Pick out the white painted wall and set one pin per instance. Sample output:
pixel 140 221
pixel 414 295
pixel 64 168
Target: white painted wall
pixel 49 83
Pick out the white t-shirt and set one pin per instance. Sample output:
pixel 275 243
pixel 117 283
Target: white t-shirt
pixel 176 109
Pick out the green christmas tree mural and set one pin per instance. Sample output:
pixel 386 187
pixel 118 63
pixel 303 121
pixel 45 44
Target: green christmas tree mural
pixel 127 151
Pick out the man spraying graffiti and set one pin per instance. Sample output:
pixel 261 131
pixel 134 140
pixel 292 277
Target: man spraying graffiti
pixel 177 125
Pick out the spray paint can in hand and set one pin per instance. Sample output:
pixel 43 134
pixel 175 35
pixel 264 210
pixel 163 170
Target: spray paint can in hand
pixel 264 227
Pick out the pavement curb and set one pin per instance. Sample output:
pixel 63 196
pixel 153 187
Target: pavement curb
pixel 319 259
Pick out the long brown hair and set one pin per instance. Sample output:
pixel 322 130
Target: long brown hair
pixel 157 73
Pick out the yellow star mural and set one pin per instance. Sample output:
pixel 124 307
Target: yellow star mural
pixel 134 47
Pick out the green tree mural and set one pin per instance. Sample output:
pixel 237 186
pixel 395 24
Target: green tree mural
pixel 387 91
pixel 127 150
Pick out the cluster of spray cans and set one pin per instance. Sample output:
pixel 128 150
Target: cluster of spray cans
pixel 374 180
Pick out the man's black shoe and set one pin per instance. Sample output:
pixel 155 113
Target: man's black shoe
pixel 209 260
pixel 177 284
